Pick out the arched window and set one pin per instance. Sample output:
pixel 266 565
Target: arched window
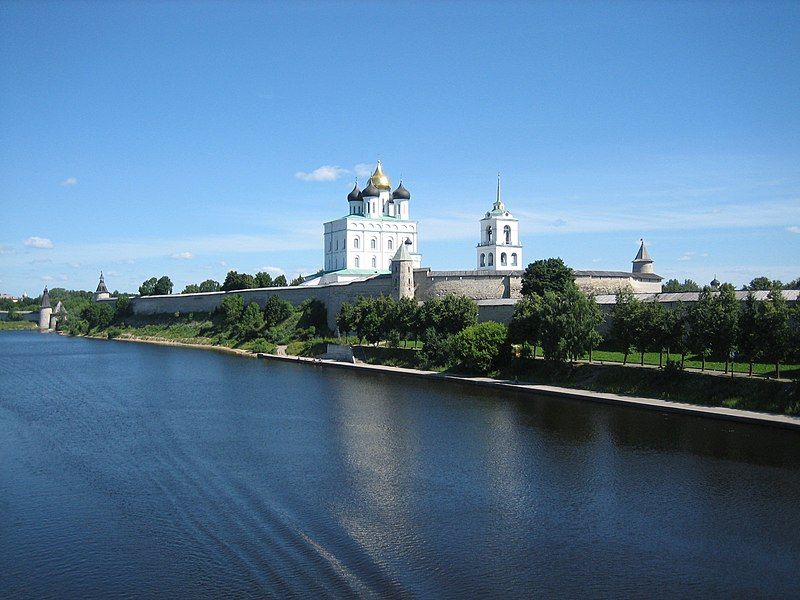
pixel 391 244
pixel 355 243
pixel 374 262
pixel 514 259
pixel 507 233
pixel 483 260
pixel 491 259
pixel 489 234
pixel 373 244
pixel 357 262
pixel 503 259
pixel 337 244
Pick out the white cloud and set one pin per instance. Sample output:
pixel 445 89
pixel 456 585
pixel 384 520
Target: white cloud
pixel 793 229
pixel 6 249
pixel 38 242
pixel 323 173
pixel 183 256
pixel 363 169
pixel 273 270
pixel 47 278
pixel 70 181
pixel 222 263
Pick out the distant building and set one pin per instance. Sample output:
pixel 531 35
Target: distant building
pixel 499 248
pixel 378 223
pixel 101 293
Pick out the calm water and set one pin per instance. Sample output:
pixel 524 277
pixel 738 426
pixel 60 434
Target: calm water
pixel 134 470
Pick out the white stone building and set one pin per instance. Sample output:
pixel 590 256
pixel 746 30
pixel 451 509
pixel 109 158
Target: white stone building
pixel 499 248
pixel 378 223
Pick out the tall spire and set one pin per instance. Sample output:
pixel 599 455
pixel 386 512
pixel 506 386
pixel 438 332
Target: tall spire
pixel 498 203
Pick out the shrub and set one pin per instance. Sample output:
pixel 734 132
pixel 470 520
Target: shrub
pixel 297 348
pixel 478 347
pixel 263 346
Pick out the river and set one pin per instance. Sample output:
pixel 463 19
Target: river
pixel 133 470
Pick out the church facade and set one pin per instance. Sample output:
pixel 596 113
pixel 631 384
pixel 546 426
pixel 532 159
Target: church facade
pixel 499 248
pixel 378 223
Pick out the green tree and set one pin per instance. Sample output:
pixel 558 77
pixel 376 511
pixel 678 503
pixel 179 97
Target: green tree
pixel 313 313
pixel 346 319
pixel 549 274
pixel 251 322
pixel 763 284
pixel 369 324
pixel 192 288
pixel 163 286
pixel 209 285
pixel 148 287
pixel 238 281
pixel 122 308
pixel 774 328
pixel 277 310
pixel 478 347
pixel 98 315
pixel 405 317
pixel 701 326
pixel 677 332
pixel 725 323
pixel 263 280
pixel 526 324
pixel 279 281
pixel 569 324
pixel 673 285
pixel 793 285
pixel 457 313
pixel 625 322
pixel 297 281
pixel 232 308
pixel 437 350
pixel 749 333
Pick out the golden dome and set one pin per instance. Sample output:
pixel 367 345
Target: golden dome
pixel 379 180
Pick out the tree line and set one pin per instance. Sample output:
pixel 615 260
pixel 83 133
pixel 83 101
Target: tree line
pixel 234 281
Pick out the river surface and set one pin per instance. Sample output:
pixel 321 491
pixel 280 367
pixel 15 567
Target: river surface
pixel 132 470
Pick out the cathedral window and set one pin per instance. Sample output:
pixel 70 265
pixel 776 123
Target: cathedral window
pixel 355 243
pixel 491 259
pixel 391 244
pixel 507 234
pixel 373 244
pixel 337 244
pixel 374 262
pixel 503 259
pixel 514 259
pixel 357 262
pixel 483 260
pixel 489 234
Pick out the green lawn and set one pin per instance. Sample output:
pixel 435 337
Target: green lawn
pixel 692 362
pixel 17 325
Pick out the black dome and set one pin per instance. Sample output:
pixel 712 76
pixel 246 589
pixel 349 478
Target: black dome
pixel 355 195
pixel 401 193
pixel 371 191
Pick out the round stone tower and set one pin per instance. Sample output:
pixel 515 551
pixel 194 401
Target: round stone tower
pixel 642 263
pixel 45 311
pixel 101 293
pixel 403 272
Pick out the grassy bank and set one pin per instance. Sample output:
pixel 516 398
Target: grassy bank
pixel 17 325
pixel 757 393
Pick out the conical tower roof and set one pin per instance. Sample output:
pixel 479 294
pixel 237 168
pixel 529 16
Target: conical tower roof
pixel 101 287
pixel 403 253
pixel 643 255
pixel 45 299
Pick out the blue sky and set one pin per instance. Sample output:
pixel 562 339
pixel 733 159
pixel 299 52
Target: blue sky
pixel 153 138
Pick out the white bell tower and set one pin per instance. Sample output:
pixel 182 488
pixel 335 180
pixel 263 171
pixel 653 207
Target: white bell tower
pixel 499 248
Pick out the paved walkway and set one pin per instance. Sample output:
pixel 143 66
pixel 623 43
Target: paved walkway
pixel 715 412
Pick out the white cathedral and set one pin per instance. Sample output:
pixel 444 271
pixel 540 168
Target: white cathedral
pixel 363 242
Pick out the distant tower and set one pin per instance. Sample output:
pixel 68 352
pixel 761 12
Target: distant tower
pixel 45 311
pixel 499 248
pixel 715 283
pixel 101 293
pixel 642 263
pixel 403 272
